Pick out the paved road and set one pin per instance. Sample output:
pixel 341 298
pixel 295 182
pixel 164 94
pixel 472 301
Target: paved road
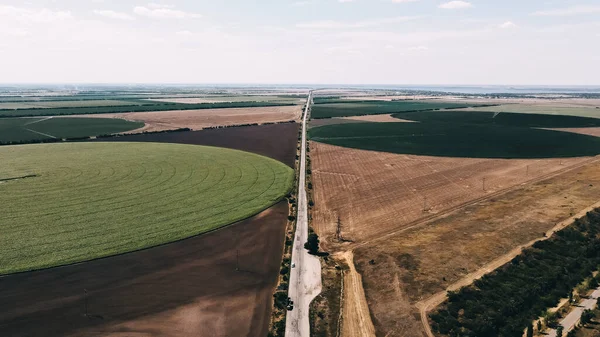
pixel 305 278
pixel 573 317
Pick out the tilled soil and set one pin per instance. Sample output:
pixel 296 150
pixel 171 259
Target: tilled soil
pixel 187 288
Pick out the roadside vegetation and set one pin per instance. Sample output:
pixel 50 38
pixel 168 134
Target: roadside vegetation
pixel 506 301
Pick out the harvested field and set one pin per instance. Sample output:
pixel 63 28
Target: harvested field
pixel 328 110
pixel 471 237
pixel 550 107
pixel 582 131
pixel 188 288
pixel 378 119
pixel 374 193
pixel 277 141
pixel 242 98
pixel 199 119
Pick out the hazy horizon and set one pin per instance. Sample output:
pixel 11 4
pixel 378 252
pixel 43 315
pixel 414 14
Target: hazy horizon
pixel 310 42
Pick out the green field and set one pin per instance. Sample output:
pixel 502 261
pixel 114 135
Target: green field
pixel 330 110
pixel 80 201
pixel 549 110
pixel 501 119
pixel 14 130
pixel 133 108
pixel 457 140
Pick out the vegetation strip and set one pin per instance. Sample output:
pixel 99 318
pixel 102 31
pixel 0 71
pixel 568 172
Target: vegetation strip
pixel 504 302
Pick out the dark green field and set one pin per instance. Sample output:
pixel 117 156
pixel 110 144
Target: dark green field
pixel 501 119
pixel 15 130
pixel 457 140
pixel 330 110
pixel 131 108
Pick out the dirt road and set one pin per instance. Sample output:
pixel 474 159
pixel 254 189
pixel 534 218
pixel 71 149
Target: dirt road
pixel 574 316
pixel 305 277
pixel 357 319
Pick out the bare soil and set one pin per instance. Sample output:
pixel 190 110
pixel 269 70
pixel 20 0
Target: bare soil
pixel 203 118
pixel 375 193
pixel 378 119
pixel 583 131
pixel 188 288
pixel 426 260
pixel 277 141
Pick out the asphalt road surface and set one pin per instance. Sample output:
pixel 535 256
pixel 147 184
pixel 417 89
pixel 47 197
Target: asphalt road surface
pixel 305 277
pixel 573 317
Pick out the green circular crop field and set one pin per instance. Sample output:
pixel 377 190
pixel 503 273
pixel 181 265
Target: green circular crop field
pixel 66 203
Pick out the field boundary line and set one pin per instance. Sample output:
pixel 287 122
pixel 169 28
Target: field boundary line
pixel 444 213
pixel 41 133
pixel 39 120
pixel 438 298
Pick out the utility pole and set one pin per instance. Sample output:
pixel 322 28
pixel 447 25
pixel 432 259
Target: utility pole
pixel 237 260
pixel 425 204
pixel 483 183
pixel 527 174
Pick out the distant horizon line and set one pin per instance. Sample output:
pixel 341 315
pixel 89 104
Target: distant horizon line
pixel 299 84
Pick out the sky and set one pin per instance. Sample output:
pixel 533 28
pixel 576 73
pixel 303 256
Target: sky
pixel 409 42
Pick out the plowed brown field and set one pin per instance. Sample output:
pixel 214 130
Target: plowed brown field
pixel 203 118
pixel 374 193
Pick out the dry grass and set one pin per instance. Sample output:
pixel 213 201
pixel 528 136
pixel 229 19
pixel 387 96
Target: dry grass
pixel 425 260
pixel 374 193
pixel 199 119
pixel 378 119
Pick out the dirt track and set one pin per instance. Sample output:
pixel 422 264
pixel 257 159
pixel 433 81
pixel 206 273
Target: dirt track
pixel 188 288
pixel 199 119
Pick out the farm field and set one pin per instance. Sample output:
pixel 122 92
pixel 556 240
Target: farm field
pixel 472 238
pixel 277 141
pixel 199 119
pixel 37 129
pixel 184 289
pixel 329 110
pixel 65 104
pixel 457 140
pixel 547 107
pixel 363 190
pixel 139 107
pixel 241 98
pixel 137 195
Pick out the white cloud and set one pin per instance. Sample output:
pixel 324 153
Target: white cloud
pixel 38 15
pixel 158 11
pixel 456 5
pixel 403 1
pixel 184 33
pixel 508 25
pixel 301 3
pixel 576 10
pixel 113 15
pixel 331 24
pixel 344 1
pixel 418 48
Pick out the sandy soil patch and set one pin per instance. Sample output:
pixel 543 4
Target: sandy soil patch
pixel 199 119
pixel 584 131
pixel 357 320
pixel 378 119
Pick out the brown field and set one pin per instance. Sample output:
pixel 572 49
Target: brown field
pixel 199 119
pixel 418 224
pixel 375 193
pixel 378 119
pixel 421 262
pixel 187 288
pixel 583 131
pixel 277 141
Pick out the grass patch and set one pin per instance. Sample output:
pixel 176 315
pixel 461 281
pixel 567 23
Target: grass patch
pixel 92 200
pixel 14 130
pixel 361 108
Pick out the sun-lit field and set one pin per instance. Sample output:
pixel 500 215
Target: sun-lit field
pixel 65 203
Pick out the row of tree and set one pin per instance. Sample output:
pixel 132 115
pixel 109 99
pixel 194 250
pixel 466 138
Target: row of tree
pixel 504 302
